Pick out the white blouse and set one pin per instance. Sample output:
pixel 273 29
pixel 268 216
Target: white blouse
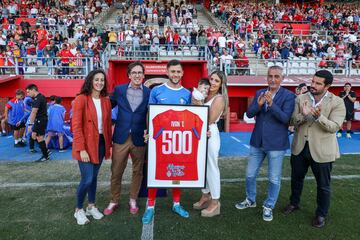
pixel 97 103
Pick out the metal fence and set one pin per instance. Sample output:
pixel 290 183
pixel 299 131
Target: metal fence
pixel 155 52
pixel 46 67
pixel 292 66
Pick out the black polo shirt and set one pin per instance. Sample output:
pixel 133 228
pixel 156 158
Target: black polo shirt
pixel 349 105
pixel 40 103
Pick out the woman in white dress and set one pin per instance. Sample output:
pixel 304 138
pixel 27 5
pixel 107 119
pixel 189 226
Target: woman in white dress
pixel 217 100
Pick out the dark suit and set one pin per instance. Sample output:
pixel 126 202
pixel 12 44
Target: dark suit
pixel 128 139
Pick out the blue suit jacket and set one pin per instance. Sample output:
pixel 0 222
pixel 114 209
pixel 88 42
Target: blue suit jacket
pixel 271 127
pixel 128 121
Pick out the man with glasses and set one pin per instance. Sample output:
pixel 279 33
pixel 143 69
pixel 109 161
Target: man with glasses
pixel 131 100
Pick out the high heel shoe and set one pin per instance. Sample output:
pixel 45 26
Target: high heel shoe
pixel 200 205
pixel 211 213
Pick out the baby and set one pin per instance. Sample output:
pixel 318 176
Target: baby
pixel 200 93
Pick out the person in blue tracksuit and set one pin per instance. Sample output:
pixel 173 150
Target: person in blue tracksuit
pixel 14 112
pixel 27 110
pixel 55 125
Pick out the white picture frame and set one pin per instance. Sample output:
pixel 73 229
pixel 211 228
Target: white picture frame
pixel 177 146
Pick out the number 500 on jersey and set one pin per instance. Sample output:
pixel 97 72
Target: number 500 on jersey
pixel 177 146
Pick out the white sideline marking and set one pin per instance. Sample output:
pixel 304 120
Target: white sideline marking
pixel 148 231
pixel 262 179
pixel 51 184
pixel 236 139
pixel 239 141
pixel 107 184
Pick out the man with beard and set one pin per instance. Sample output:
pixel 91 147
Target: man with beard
pixel 171 92
pixel 318 115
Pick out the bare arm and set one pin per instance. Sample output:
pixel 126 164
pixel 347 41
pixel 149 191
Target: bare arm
pixel 33 115
pixel 216 109
pixel 6 114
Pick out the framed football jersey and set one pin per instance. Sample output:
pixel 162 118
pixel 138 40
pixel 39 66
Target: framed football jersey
pixel 177 146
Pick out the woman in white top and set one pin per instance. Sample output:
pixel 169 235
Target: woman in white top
pixel 218 101
pixel 91 125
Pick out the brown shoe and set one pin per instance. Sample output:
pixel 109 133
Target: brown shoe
pixel 290 209
pixel 211 213
pixel 318 222
pixel 203 203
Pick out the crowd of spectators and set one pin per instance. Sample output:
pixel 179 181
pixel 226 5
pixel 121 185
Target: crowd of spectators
pixel 335 39
pixel 148 27
pixel 34 29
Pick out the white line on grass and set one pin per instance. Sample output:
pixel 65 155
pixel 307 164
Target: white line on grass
pixel 107 184
pixel 262 179
pixel 148 231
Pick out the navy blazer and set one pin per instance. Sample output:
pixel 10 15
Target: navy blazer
pixel 271 127
pixel 129 121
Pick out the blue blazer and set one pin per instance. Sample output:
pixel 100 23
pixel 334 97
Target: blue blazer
pixel 271 127
pixel 128 121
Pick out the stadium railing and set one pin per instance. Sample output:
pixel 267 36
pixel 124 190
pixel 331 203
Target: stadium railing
pixel 157 52
pixel 293 66
pixel 44 67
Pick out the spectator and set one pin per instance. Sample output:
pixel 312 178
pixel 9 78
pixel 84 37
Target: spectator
pixel 49 54
pixel 65 57
pixel 2 62
pixel 226 60
pixel 242 64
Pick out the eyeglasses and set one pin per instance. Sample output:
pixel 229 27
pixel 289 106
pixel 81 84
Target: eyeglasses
pixel 136 73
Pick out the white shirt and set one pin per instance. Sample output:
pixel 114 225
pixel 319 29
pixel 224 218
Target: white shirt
pixel 97 103
pixel 222 41
pixel 33 11
pixel 2 40
pixel 227 59
pixel 352 38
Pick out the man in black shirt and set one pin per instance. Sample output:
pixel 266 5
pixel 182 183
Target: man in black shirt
pixel 38 120
pixel 349 100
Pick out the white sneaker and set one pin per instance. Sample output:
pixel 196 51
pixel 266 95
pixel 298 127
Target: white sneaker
pixel 267 214
pixel 339 134
pixel 94 212
pixel 245 204
pixel 81 217
pixel 348 135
